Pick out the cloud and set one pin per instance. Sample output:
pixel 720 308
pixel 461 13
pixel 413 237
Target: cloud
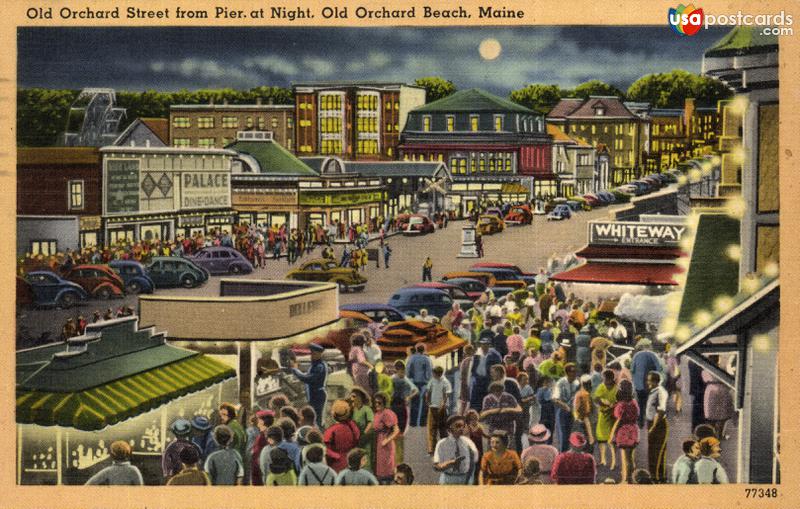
pixel 272 64
pixel 205 69
pixel 321 67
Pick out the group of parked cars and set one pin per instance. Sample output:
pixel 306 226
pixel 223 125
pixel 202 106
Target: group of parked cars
pixel 120 277
pixel 494 221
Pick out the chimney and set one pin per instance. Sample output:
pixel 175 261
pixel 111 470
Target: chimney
pixel 271 101
pixel 211 101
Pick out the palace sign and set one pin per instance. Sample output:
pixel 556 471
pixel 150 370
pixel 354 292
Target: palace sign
pixel 635 234
pixel 202 190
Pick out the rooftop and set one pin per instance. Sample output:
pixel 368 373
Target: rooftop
pixel 230 107
pixel 273 159
pixel 744 40
pixel 473 101
pixel 57 155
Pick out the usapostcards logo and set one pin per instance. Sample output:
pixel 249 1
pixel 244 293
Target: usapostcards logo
pixel 685 19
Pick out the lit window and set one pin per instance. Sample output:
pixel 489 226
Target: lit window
pixel 205 142
pixel 289 122
pixel 205 122
pixel 498 123
pixel 233 122
pixel 181 122
pixel 181 142
pixel 426 123
pixel 473 123
pixel 451 123
pixel 76 194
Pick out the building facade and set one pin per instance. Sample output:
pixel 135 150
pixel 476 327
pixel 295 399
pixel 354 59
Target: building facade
pixel 145 132
pixel 495 149
pixel 216 125
pixel 353 120
pixel 574 163
pixel 61 181
pixel 157 193
pixel 606 120
pixel 678 134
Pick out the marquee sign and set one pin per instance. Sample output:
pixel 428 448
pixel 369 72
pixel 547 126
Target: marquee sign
pixel 200 190
pixel 621 233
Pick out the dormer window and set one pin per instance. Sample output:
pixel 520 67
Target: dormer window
pixel 599 111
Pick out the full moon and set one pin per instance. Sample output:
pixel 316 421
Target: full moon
pixel 490 49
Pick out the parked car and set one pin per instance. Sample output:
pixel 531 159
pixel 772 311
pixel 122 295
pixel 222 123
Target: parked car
pixel 412 300
pixel 49 289
pixel 503 277
pixel 490 224
pixel 171 271
pixel 494 211
pixel 593 200
pixel 607 197
pixel 375 312
pixel 221 260
pixel 134 276
pixel 99 281
pixel 456 293
pixel 581 202
pixel 519 215
pixel 401 221
pixel 418 225
pixel 528 277
pixel 472 287
pixel 329 271
pixel 561 211
pixel 487 279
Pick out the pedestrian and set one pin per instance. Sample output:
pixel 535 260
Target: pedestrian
pixel 530 472
pixel 500 410
pixel 484 359
pixel 479 243
pixel 341 437
pixel 387 253
pixel 203 437
pixel 170 460
pixel 387 431
pixel 707 469
pixel 605 397
pixel 264 419
pixel 427 269
pixel 583 409
pixel 717 400
pixel 355 474
pixel 625 432
pixel 314 379
pixel 539 438
pixel 403 392
pixel 437 397
pixel 316 472
pixel 683 469
pixel 455 456
pixel 224 466
pixel 643 362
pixel 281 469
pixel 120 472
pixel 190 474
pixel 657 427
pixel 500 465
pixel 357 361
pixel 227 415
pixel 70 330
pixel 362 415
pixel 419 369
pixel 464 370
pixel 547 410
pixel 403 475
pixel 563 397
pixel 574 466
pixel 673 374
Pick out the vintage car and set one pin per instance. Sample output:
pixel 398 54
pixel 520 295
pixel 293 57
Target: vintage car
pixel 401 221
pixel 330 272
pixel 375 312
pixel 528 277
pixel 134 276
pixel 99 281
pixel 494 211
pixel 503 277
pixel 418 225
pixel 412 300
pixel 487 279
pixel 49 289
pixel 519 215
pixel 472 287
pixel 490 224
pixel 221 260
pixel 561 211
pixel 456 293
pixel 171 271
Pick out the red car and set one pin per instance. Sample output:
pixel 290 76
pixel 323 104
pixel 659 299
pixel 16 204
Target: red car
pixel 418 225
pixel 593 200
pixel 99 281
pixel 519 214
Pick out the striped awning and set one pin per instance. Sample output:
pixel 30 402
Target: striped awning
pixel 113 402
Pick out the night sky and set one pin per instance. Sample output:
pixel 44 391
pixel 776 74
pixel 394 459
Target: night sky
pixel 172 58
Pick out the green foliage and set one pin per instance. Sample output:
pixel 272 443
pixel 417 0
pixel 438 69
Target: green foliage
pixel 435 87
pixel 668 90
pixel 596 87
pixel 538 97
pixel 43 113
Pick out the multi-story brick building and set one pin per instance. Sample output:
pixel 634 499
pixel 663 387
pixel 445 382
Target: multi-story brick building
pixel 677 134
pixel 216 125
pixel 495 149
pixel 360 121
pixel 605 120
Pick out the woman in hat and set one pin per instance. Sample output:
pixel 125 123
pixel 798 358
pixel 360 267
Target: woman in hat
pixel 500 465
pixel 540 448
pixel 386 431
pixel 605 397
pixel 360 405
pixel 170 461
pixel 342 436
pixel 357 360
pixel 625 431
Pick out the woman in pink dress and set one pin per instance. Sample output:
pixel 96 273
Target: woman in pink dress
pixel 717 401
pixel 359 367
pixel 386 430
pixel 625 432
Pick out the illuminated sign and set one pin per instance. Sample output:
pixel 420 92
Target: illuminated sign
pixel 205 190
pixel 122 186
pixel 635 234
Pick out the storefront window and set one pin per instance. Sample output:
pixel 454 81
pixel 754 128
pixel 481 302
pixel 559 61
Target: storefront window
pixel 123 235
pixel 152 232
pixel 88 239
pixel 44 247
pixel 316 218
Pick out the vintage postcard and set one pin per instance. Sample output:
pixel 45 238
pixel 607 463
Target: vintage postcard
pixel 353 253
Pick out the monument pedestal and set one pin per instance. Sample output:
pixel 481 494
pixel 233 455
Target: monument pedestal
pixel 468 247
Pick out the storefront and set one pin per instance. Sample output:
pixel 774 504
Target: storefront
pixel 155 194
pixel 637 258
pixel 467 194
pixel 116 382
pixel 338 203
pixel 267 207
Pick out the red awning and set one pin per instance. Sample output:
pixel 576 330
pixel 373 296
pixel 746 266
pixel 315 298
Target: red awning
pixel 631 252
pixel 621 274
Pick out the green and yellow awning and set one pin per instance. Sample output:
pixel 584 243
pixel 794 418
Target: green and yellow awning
pixel 113 402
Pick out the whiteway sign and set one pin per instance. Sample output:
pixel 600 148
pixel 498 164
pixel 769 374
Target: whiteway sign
pixel 635 234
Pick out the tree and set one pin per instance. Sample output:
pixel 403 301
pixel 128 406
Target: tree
pixel 538 97
pixel 596 87
pixel 42 115
pixel 436 88
pixel 669 90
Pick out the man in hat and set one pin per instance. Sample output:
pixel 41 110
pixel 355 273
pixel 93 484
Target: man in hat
pixel 314 379
pixel 455 456
pixel 202 436
pixel 482 364
pixel 643 362
pixel 171 460
pixel 563 396
pixel 574 466
pixel 539 436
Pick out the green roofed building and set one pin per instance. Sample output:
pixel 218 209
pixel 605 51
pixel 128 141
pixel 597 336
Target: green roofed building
pixel 115 381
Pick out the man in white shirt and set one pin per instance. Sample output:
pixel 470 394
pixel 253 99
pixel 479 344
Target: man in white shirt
pixel 617 332
pixel 657 429
pixel 437 397
pixel 425 317
pixel 456 456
